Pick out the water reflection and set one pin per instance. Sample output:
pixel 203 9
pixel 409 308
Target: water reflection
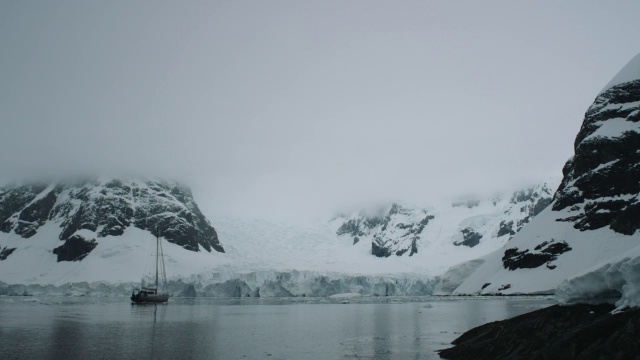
pixel 144 312
pixel 480 311
pixel 64 334
pixel 175 331
pixel 381 323
pixel 202 329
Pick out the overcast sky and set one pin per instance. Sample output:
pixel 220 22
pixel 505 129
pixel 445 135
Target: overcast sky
pixel 282 108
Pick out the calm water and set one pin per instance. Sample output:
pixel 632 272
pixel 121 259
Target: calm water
pixel 369 328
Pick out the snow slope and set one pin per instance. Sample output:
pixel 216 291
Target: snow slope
pixel 588 249
pixel 630 72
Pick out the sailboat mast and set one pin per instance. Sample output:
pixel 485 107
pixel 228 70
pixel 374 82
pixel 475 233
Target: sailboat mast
pixel 157 256
pixel 163 270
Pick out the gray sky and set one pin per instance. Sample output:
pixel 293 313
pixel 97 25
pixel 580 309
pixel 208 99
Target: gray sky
pixel 282 108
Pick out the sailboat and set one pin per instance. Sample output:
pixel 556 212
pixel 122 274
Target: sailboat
pixel 152 294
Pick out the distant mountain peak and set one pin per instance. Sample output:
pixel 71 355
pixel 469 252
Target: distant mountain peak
pixel 404 230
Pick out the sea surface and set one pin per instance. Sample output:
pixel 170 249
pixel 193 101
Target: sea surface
pixel 206 328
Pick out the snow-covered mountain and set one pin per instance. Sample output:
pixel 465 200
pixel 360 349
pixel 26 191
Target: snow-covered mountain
pixel 593 221
pixel 107 207
pixel 402 230
pixel 48 229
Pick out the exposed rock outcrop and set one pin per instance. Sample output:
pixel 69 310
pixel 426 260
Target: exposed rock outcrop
pixel 75 248
pixel 542 254
pixel 557 332
pixel 394 232
pixel 471 238
pixel 600 184
pixel 5 252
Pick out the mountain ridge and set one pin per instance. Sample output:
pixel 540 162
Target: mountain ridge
pixel 86 211
pixel 403 230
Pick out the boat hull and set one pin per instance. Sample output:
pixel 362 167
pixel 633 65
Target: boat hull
pixel 149 298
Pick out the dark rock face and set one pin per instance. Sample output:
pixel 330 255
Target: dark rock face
pixel 13 199
pixel 5 252
pixel 600 182
pixel 379 251
pixel 359 227
pixel 506 228
pixel 557 332
pixel 395 232
pixel 35 215
pixel 543 253
pixel 108 208
pixel 471 238
pixel 75 248
pixel 397 237
pixel 525 204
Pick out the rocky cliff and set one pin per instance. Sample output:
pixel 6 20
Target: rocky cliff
pixel 557 332
pixel 601 182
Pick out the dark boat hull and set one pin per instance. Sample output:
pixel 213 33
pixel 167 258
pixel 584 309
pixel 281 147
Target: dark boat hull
pixel 149 298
